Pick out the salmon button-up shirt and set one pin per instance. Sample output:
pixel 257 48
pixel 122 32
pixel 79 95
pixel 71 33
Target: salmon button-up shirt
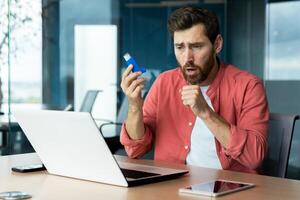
pixel 236 95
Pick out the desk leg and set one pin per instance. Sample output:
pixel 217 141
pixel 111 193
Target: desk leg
pixel 3 146
pixel 4 138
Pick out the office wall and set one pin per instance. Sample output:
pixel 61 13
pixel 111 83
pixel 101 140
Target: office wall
pixel 246 35
pixel 145 35
pixel 96 67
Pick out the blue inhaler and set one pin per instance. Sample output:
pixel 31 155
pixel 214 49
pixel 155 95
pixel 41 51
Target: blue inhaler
pixel 130 61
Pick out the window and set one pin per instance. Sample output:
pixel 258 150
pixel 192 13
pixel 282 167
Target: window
pixel 24 69
pixel 283 41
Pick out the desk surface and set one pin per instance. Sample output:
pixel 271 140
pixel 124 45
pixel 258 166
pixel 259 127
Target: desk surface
pixel 44 186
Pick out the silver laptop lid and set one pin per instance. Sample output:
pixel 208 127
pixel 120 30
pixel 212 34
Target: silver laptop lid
pixel 69 144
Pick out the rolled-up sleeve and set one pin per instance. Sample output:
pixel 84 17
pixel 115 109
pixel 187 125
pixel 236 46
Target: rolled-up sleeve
pixel 248 139
pixel 136 148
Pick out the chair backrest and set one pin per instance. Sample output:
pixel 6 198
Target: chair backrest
pixel 122 113
pixel 280 134
pixel 89 100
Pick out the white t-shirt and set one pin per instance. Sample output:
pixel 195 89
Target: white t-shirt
pixel 203 148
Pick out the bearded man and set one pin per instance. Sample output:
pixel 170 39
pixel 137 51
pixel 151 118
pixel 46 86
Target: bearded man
pixel 204 112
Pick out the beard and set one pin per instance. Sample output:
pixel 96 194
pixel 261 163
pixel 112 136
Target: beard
pixel 195 74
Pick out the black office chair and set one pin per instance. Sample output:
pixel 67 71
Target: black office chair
pixel 114 141
pixel 280 134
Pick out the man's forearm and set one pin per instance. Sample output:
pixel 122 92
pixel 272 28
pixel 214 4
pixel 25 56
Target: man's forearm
pixel 218 126
pixel 134 123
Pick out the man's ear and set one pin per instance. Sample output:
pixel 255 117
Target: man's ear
pixel 218 45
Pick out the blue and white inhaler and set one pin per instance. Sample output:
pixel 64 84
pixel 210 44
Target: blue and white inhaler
pixel 130 61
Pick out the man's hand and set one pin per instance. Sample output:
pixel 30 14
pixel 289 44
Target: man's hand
pixel 191 96
pixel 132 87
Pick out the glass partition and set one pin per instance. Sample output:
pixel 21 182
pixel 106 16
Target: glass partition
pixel 21 69
pixel 20 66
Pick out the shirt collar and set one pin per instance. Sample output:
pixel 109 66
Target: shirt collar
pixel 217 81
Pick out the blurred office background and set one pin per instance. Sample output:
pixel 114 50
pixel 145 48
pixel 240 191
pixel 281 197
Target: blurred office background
pixel 53 51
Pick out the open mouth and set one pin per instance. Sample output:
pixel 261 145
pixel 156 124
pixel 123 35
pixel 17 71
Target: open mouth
pixel 191 71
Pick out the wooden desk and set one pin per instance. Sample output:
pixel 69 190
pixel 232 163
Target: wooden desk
pixel 44 186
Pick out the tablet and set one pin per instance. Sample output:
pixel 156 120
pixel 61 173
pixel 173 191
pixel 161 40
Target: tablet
pixel 216 188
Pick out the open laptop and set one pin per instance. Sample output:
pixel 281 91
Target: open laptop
pixel 70 144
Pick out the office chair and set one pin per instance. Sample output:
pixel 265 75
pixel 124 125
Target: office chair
pixel 89 100
pixel 114 142
pixel 87 103
pixel 280 134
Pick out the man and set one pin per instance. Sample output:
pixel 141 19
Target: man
pixel 204 112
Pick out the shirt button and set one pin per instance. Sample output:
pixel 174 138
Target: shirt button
pixel 186 146
pixel 190 123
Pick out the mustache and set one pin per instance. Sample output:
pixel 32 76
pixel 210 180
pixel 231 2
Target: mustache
pixel 190 64
pixel 195 79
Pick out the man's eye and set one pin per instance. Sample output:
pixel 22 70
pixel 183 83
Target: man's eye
pixel 179 47
pixel 198 46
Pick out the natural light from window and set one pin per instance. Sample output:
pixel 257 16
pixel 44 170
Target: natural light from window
pixel 283 55
pixel 26 51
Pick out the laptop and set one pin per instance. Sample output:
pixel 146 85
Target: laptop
pixel 70 144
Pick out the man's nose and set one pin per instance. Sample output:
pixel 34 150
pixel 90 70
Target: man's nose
pixel 188 55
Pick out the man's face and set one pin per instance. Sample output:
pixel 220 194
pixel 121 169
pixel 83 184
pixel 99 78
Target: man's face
pixel 194 53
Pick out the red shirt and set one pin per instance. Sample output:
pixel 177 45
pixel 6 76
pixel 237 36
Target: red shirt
pixel 236 95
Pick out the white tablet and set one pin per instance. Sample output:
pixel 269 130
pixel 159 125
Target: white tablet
pixel 216 188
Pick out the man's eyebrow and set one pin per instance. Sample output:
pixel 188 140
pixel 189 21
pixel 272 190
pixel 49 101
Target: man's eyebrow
pixel 196 43
pixel 177 44
pixel 190 43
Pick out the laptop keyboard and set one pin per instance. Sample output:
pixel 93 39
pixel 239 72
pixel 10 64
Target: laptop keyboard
pixel 129 173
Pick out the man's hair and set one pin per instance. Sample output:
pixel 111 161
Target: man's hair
pixel 185 18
